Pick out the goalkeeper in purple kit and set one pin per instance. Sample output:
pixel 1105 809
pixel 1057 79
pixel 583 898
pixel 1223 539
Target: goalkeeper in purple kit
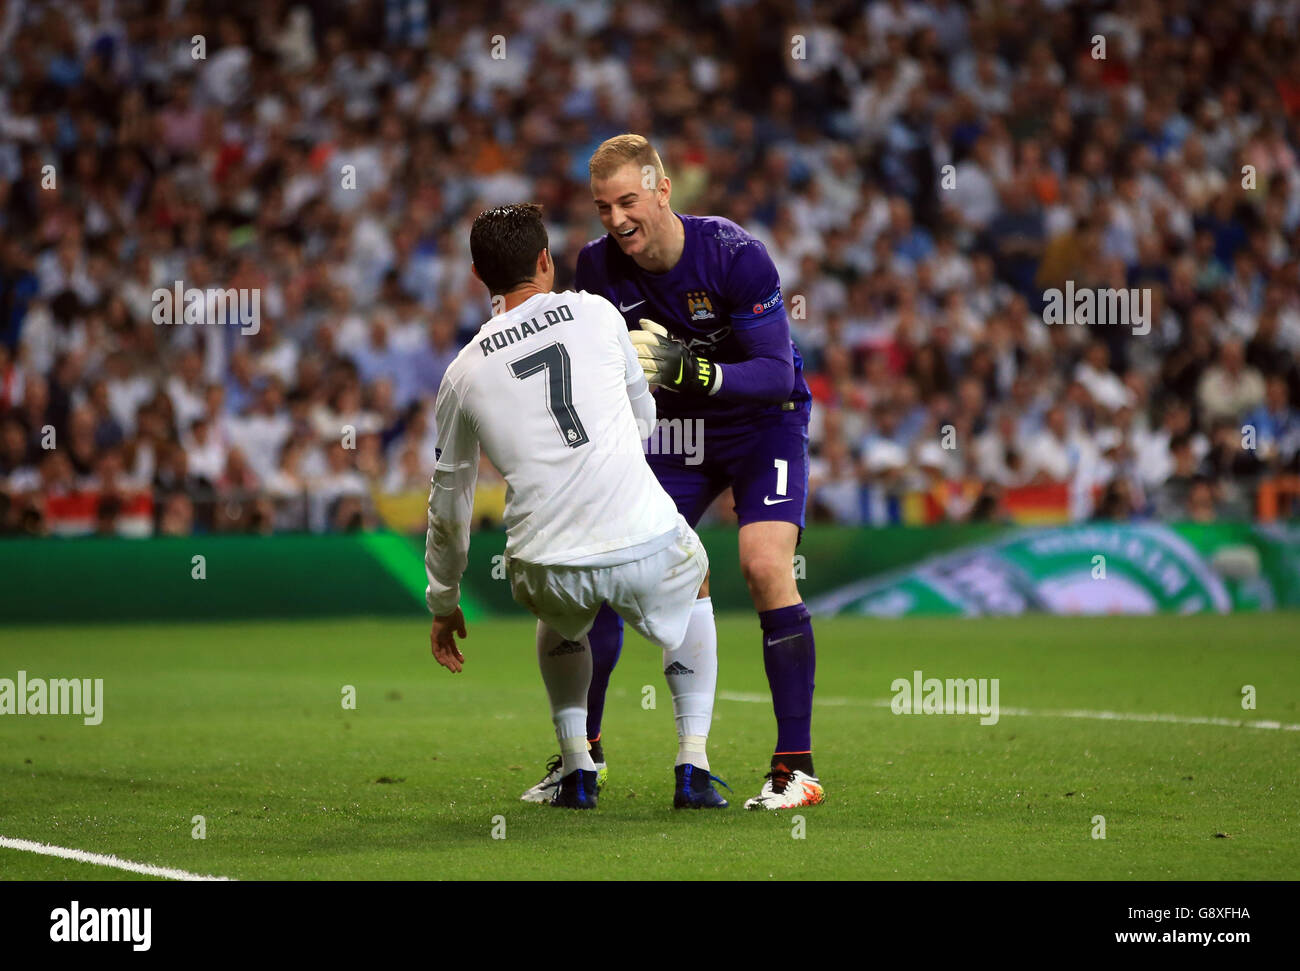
pixel 703 301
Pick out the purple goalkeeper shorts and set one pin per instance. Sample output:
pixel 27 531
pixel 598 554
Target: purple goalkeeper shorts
pixel 765 462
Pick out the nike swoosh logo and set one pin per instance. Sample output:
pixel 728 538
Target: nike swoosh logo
pixel 679 373
pixel 782 640
pixel 631 306
pixel 774 502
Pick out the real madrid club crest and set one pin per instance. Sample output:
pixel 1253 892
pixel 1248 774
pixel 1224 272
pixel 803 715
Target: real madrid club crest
pixel 698 305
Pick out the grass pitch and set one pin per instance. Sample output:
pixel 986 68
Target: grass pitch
pixel 243 725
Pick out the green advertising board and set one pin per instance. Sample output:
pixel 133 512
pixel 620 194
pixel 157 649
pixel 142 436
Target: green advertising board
pixel 1091 568
pixel 896 571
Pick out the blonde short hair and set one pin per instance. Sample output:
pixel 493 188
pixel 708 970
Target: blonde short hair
pixel 621 150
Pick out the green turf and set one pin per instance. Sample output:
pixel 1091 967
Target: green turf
pixel 242 723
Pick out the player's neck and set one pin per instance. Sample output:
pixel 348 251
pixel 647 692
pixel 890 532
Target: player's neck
pixel 521 294
pixel 661 261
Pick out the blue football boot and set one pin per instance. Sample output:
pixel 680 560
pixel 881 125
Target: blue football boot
pixel 695 789
pixel 577 790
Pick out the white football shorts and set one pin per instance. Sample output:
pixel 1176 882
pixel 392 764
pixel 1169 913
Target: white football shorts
pixel 654 594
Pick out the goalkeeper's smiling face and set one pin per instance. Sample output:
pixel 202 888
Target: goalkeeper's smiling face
pixel 639 218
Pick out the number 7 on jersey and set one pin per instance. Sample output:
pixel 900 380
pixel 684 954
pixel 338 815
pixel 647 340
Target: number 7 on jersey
pixel 553 360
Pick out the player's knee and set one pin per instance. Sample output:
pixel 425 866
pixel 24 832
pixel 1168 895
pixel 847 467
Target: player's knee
pixel 768 577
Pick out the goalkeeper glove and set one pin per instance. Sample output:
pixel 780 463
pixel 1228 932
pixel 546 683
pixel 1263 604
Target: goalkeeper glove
pixel 668 363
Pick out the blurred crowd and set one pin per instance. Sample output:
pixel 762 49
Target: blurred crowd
pixel 920 172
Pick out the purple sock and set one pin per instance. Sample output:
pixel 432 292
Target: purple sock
pixel 606 638
pixel 790 660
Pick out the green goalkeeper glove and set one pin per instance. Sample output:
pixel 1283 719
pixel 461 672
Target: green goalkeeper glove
pixel 668 363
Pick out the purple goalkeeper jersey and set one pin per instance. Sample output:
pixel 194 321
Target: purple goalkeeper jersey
pixel 723 300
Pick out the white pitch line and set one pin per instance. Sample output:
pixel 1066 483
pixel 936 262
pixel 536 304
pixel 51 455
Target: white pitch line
pixel 1114 716
pixel 100 859
pixel 755 698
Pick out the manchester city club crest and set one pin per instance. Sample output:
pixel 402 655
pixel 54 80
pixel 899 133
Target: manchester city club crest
pixel 698 305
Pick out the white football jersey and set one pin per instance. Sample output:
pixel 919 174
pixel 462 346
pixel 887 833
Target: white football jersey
pixel 553 393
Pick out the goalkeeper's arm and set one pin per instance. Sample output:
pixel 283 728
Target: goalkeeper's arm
pixel 766 376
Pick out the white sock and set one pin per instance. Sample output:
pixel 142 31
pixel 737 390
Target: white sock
pixel 692 673
pixel 566 670
pixel 575 753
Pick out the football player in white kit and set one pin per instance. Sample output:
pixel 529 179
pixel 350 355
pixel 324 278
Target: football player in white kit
pixel 551 390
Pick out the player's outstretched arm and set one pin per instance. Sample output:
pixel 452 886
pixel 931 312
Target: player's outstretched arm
pixel 767 374
pixel 638 388
pixel 446 544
